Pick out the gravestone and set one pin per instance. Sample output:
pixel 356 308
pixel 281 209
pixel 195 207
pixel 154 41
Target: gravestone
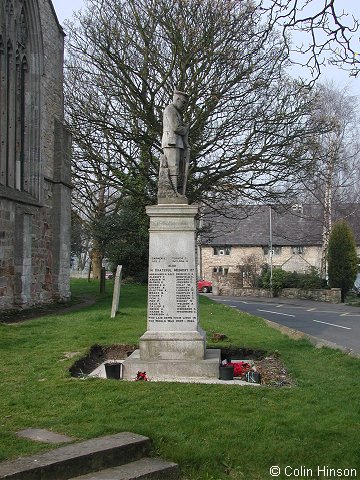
pixel 116 294
pixel 174 345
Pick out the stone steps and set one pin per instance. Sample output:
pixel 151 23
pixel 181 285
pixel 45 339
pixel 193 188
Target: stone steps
pixel 145 468
pixel 94 457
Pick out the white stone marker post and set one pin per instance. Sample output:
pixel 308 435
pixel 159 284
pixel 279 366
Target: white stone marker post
pixel 116 293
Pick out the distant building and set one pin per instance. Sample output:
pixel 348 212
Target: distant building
pixel 35 150
pixel 239 242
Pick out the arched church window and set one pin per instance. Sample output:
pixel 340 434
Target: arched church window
pixel 19 99
pixel 9 7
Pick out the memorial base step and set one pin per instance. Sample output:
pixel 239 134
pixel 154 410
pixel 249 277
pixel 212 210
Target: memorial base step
pixel 173 345
pixel 172 369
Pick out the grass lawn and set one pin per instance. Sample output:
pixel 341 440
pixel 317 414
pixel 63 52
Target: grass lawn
pixel 212 431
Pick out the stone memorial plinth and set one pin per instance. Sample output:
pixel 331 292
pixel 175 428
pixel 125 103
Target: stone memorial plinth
pixel 174 346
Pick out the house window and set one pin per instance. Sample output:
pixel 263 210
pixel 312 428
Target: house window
pixel 221 270
pixel 298 250
pixel 297 207
pixel 276 250
pixel 220 251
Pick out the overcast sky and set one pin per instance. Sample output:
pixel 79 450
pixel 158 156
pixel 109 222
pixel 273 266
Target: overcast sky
pixel 65 9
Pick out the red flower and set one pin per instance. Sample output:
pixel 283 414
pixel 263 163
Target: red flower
pixel 141 376
pixel 240 368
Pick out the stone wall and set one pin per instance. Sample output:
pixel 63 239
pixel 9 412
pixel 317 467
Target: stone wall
pixel 330 296
pixel 252 292
pixel 226 284
pixel 35 225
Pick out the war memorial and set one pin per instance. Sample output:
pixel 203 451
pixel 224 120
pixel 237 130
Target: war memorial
pixel 174 345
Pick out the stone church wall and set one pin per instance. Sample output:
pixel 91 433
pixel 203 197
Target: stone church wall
pixel 35 226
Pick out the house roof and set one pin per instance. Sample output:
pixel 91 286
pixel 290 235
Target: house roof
pixel 295 225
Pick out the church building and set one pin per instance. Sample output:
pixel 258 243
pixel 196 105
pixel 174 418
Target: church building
pixel 35 153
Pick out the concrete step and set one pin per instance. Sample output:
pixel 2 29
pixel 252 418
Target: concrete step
pixel 78 458
pixel 146 468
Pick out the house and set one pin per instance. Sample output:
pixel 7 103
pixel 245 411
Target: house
pixel 35 150
pixel 239 241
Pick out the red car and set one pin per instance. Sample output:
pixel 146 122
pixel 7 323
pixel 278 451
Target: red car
pixel 204 286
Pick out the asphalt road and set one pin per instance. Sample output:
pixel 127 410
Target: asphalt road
pixel 339 324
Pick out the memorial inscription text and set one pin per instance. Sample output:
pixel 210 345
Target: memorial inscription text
pixel 165 279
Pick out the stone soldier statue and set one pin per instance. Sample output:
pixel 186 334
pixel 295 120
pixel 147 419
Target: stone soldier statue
pixel 175 143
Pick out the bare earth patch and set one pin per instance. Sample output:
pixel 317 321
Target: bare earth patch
pixel 99 354
pixel 272 370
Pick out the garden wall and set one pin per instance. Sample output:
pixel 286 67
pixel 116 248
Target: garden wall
pixel 228 285
pixel 330 296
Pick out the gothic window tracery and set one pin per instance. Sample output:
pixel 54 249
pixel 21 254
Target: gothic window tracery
pixel 18 98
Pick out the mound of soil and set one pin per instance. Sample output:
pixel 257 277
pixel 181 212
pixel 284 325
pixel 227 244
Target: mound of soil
pixel 270 366
pixel 99 354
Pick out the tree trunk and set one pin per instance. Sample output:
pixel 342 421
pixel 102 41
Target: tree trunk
pixel 96 259
pixel 327 211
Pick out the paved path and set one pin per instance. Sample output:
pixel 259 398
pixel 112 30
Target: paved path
pixel 336 323
pixel 46 310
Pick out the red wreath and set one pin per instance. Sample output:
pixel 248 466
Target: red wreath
pixel 240 368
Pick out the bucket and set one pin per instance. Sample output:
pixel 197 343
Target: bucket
pixel 113 370
pixel 226 372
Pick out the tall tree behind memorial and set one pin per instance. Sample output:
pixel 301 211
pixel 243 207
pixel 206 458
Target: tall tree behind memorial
pixel 249 121
pixel 94 196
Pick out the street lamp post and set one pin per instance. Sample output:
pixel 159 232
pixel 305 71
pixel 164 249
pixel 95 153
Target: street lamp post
pixel 270 249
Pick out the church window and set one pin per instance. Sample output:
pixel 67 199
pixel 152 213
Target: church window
pixel 18 124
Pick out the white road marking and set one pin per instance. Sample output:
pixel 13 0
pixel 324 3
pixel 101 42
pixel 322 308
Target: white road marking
pixel 311 309
pixel 276 313
pixel 332 324
pixel 228 301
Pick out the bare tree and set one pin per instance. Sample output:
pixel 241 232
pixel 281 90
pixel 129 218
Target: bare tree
pixel 335 178
pixel 249 121
pixel 250 269
pixel 94 196
pixel 316 33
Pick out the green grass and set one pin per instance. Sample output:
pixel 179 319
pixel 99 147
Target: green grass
pixel 212 431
